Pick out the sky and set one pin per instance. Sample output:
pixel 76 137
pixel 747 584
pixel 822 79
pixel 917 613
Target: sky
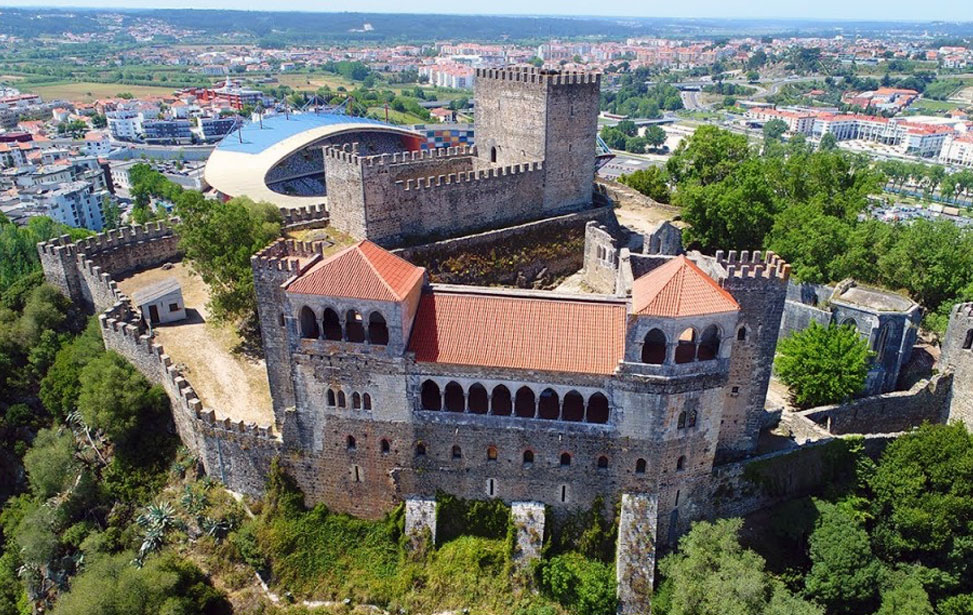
pixel 879 10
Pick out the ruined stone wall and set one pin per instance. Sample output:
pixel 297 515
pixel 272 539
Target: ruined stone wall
pixel 927 401
pixel 600 258
pixel 958 356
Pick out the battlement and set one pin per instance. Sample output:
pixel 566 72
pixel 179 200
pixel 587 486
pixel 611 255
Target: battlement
pixel 745 264
pixel 531 74
pixel 434 181
pixel 287 254
pixel 107 241
pixel 963 310
pixel 350 153
pixel 303 216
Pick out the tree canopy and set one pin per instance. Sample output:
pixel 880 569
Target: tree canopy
pixel 823 365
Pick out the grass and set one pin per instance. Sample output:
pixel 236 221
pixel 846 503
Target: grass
pixel 396 117
pixel 85 91
pixel 309 82
pixel 926 104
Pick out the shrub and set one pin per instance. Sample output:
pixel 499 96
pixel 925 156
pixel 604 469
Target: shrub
pixel 584 586
pixel 823 365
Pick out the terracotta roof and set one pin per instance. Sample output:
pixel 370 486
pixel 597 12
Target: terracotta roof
pixel 679 288
pixel 585 337
pixel 362 271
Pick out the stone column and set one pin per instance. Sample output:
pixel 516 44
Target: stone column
pixel 635 554
pixel 528 520
pixel 420 517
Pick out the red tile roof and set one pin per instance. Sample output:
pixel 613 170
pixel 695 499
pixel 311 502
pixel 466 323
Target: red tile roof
pixel 679 288
pixel 585 337
pixel 362 271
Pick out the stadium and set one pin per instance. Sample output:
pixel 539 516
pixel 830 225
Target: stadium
pixel 279 159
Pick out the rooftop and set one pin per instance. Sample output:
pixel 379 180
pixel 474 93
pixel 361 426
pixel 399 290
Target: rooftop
pixel 679 288
pixel 874 298
pixel 275 128
pixel 155 291
pixel 362 271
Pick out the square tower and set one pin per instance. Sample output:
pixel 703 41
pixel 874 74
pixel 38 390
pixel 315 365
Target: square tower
pixel 527 114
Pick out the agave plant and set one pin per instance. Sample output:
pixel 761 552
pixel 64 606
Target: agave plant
pixel 157 520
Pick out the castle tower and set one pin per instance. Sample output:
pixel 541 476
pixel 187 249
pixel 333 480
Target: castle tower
pixel 759 285
pixel 527 114
pixel 958 356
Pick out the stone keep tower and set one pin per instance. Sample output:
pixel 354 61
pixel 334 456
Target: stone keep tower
pixel 527 114
pixel 958 356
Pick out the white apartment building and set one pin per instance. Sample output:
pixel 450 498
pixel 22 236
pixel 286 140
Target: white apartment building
pixel 957 151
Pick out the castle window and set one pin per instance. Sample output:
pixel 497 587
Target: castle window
pixel 352 445
pixel 525 405
pixel 457 452
pixel 549 407
pixel 564 493
pixel 686 348
pixel 493 154
pixel 431 399
pixel 850 322
pixel 479 401
pixel 742 334
pixel 597 408
pixel 282 321
pixel 309 324
pixel 420 450
pixel 491 453
pixel 341 399
pixel 356 401
pixel 491 487
pixel 356 473
pixel 734 391
pixel 378 331
pixel 681 422
pixel 500 404
pixel 640 466
pixel 654 347
pixel 603 463
pixel 573 409
pixel 968 342
pixel 528 457
pixel 691 417
pixel 332 325
pixel 331 398
pixel 366 401
pixel 455 398
pixel 354 329
pixel 565 459
pixel 681 463
pixel 709 344
pixel 386 446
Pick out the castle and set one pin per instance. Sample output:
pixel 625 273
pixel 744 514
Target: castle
pixel 387 388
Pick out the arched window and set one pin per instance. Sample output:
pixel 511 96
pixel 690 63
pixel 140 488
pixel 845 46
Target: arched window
pixel 491 453
pixel 525 405
pixel 350 442
pixel 309 324
pixel 549 407
pixel 597 408
pixel 331 398
pixel 603 463
pixel 479 401
pixel 431 399
pixel 493 154
pixel 457 452
pixel 528 457
pixel 968 342
pixel 850 322
pixel 366 401
pixel 565 459
pixel 455 399
pixel 691 417
pixel 686 347
pixel 681 463
pixel 420 450
pixel 354 328
pixel 378 331
pixel 332 325
pixel 356 401
pixel 341 399
pixel 654 347
pixel 500 403
pixel 881 342
pixel 386 446
pixel 709 344
pixel 681 422
pixel 640 466
pixel 742 334
pixel 573 409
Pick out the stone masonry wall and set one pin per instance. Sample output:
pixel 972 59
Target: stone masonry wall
pixel 958 356
pixel 600 258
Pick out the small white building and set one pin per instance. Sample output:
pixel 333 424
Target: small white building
pixel 161 303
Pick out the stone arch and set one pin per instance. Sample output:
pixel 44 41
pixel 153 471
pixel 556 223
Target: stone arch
pixel 378 331
pixel 573 407
pixel 309 324
pixel 709 344
pixel 331 398
pixel 691 417
pixel 850 322
pixel 549 405
pixel 525 405
pixel 492 453
pixel 332 325
pixel 493 154
pixel 654 347
pixel 681 463
pixel 386 446
pixel 686 346
pixel 351 443
pixel 366 401
pixel 454 397
pixel 356 401
pixel 565 459
pixel 354 327
pixel 500 402
pixel 430 397
pixel 681 421
pixel 640 466
pixel 742 333
pixel 341 399
pixel 457 452
pixel 528 457
pixel 597 409
pixel 602 463
pixel 479 400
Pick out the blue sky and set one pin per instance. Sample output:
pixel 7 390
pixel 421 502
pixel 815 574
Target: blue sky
pixel 913 10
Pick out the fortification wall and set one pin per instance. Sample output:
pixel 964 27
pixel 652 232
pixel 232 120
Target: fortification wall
pixel 309 216
pixel 600 258
pixel 616 192
pixel 958 356
pixel 927 401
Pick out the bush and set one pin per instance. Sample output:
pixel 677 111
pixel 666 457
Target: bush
pixel 823 365
pixel 50 463
pixel 584 586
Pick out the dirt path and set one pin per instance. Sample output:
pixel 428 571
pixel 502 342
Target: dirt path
pixel 226 382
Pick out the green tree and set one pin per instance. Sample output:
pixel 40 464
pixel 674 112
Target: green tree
pixel 651 181
pixel 586 587
pixel 61 385
pixel 810 240
pixel 50 463
pixel 905 596
pixel 774 129
pixel 710 155
pixel 628 128
pixel 828 143
pixel 655 136
pixel 823 365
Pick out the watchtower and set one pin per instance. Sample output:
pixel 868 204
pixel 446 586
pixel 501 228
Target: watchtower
pixel 528 114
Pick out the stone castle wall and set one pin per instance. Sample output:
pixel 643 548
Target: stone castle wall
pixel 600 258
pixel 958 356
